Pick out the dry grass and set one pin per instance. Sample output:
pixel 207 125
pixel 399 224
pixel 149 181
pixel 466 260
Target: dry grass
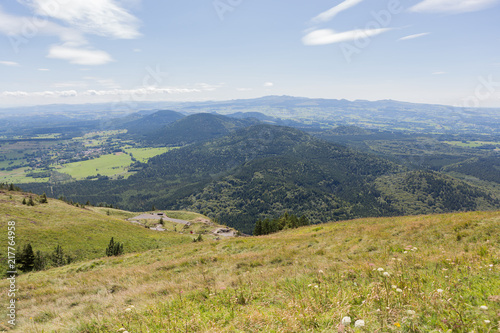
pixel 295 281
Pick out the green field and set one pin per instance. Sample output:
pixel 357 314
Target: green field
pixel 472 144
pixel 106 165
pixel 144 154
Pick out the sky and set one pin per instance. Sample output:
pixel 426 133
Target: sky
pixel 94 51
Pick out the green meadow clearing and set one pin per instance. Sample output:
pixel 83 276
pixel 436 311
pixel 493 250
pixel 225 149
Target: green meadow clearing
pixel 106 165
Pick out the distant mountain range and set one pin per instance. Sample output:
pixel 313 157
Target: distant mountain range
pixel 385 114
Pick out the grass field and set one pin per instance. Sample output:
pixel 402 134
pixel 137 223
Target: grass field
pixel 472 144
pixel 436 273
pixel 144 154
pixel 106 165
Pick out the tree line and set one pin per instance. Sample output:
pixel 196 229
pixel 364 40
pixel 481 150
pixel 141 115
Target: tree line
pixel 286 221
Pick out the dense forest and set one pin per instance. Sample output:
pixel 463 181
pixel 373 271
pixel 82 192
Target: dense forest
pixel 254 172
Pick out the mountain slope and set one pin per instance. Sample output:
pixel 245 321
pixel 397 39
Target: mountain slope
pixel 402 274
pixel 264 171
pixel 82 232
pixel 197 128
pixel 152 123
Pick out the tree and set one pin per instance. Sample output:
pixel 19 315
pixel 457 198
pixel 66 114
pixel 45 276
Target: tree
pixel 27 259
pixel 11 187
pixel 114 249
pixel 24 201
pixel 58 257
pixel 30 201
pixel 43 198
pixel 257 231
pixel 161 221
pixel 40 261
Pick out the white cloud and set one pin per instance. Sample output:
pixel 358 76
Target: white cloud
pixel 244 89
pixel 332 12
pixel 100 17
pixel 268 84
pixel 66 93
pixel 79 56
pixel 328 36
pixel 453 6
pixel 138 92
pixel 414 36
pixel 438 73
pixel 43 69
pixel 25 28
pixel 9 63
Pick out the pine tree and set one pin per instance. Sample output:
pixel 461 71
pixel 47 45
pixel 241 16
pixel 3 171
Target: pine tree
pixel 58 256
pixel 43 198
pixel 31 202
pixel 11 187
pixel 161 221
pixel 40 261
pixel 257 231
pixel 24 201
pixel 27 259
pixel 114 248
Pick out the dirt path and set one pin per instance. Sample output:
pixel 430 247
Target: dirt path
pixel 148 216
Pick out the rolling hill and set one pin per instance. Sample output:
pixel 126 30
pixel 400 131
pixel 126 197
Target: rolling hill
pixel 264 171
pixel 151 123
pixel 434 273
pixel 85 232
pixel 196 128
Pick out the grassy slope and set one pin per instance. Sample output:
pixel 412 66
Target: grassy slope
pixel 83 233
pixel 296 281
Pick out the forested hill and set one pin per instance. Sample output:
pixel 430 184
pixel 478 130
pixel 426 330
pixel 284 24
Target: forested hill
pixel 152 123
pixel 196 128
pixel 264 171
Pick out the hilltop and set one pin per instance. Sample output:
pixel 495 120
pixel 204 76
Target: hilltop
pixel 431 273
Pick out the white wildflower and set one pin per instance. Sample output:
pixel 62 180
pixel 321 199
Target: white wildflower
pixel 128 309
pixel 483 307
pixel 380 269
pixel 440 290
pixel 321 271
pixel 394 287
pixel 346 321
pixel 410 312
pixel 359 323
pixel 399 290
pixel 487 321
pixel 387 274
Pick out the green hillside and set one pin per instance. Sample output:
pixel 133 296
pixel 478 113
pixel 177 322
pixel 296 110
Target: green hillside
pixel 196 128
pixel 263 171
pixel 144 126
pixel 434 273
pixel 83 233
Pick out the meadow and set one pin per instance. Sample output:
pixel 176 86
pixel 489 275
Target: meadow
pixel 106 165
pixel 430 273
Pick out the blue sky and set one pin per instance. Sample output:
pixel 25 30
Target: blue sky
pixel 92 51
